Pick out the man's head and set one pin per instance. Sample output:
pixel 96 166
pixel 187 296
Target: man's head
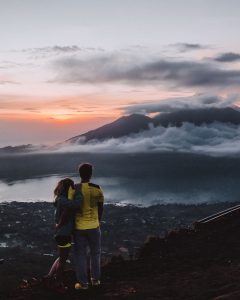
pixel 85 171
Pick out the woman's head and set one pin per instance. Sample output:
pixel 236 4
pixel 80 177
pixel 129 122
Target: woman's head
pixel 63 187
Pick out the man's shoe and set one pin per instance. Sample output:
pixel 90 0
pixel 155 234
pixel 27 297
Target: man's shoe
pixel 81 286
pixel 95 282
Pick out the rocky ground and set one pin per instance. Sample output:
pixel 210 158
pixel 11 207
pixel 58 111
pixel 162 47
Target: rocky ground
pixel 184 264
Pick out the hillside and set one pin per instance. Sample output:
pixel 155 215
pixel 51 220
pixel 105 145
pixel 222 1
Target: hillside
pixel 198 263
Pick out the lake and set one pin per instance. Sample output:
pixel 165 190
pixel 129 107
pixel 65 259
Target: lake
pixel 140 179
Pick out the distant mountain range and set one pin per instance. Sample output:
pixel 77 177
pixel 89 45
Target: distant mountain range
pixel 136 123
pixel 29 148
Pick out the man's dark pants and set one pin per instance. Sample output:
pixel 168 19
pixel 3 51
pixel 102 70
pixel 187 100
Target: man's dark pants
pixel 82 240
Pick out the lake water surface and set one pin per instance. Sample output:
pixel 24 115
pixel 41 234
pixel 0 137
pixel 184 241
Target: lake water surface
pixel 138 179
pixel 118 190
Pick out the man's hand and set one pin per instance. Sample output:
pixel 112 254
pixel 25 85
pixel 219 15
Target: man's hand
pixel 100 211
pixel 56 227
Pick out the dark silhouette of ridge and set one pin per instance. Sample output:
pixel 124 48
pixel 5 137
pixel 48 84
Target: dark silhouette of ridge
pixel 21 149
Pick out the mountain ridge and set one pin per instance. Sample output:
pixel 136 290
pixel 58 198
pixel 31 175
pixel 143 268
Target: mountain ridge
pixel 135 123
pixel 117 128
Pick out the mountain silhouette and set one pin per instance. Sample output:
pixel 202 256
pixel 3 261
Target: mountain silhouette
pixel 136 123
pixel 121 127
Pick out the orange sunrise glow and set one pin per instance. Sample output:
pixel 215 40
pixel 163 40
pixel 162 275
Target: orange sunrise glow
pixel 81 76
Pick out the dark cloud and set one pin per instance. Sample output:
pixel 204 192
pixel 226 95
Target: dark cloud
pixel 32 109
pixel 65 49
pixel 228 57
pixel 44 52
pixel 73 48
pixel 175 104
pixel 85 111
pixel 184 47
pixel 130 70
pixel 52 51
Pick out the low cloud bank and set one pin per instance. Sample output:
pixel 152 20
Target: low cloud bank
pixel 213 139
pixel 180 103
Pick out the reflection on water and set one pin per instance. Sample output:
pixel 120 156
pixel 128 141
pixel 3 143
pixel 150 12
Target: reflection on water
pixel 41 189
pixel 123 191
pixel 32 190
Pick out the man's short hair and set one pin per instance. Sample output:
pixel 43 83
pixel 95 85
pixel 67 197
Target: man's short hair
pixel 85 170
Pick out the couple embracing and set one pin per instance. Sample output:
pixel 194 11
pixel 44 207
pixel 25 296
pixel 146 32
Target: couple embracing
pixel 78 212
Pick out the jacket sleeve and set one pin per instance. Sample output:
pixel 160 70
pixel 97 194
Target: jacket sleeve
pixel 72 204
pixel 64 217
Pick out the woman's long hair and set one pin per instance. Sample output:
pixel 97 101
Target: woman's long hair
pixel 63 187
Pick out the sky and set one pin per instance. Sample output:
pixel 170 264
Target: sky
pixel 69 66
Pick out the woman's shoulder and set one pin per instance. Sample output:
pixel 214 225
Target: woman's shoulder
pixel 61 199
pixel 77 186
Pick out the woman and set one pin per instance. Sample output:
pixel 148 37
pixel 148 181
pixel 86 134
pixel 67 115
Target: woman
pixel 65 206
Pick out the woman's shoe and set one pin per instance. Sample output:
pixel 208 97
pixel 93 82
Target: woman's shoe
pixel 81 286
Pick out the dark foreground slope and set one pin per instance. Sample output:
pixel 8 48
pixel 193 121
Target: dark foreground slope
pixel 196 263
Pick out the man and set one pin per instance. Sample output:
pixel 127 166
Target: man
pixel 87 229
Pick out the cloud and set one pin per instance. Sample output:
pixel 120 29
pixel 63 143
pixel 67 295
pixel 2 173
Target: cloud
pixel 46 52
pixel 12 65
pixel 3 82
pixel 131 70
pixel 228 57
pixel 212 139
pixel 51 51
pixel 184 47
pixel 65 49
pixel 180 103
pixel 32 109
